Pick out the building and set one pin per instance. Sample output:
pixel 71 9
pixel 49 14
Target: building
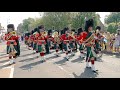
pixel 2 32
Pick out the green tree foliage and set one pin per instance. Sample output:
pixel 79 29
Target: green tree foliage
pixel 111 28
pixel 59 20
pixel 112 21
pixel 26 23
pixel 114 17
pixel 81 17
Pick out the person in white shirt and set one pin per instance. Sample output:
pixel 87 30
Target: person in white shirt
pixel 116 43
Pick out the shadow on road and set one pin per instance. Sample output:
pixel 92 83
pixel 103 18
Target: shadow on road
pixel 3 61
pixel 60 52
pixel 7 65
pixel 61 62
pixel 117 56
pixel 86 74
pixel 29 59
pixel 26 55
pixel 24 50
pixel 111 54
pixel 79 60
pixel 3 54
pixel 52 51
pixel 52 57
pixel 29 66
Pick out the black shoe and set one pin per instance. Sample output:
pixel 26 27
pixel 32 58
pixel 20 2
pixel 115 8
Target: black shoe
pixel 67 59
pixel 13 63
pixel 73 54
pixel 88 67
pixel 95 71
pixel 43 61
pixel 57 55
pixel 33 52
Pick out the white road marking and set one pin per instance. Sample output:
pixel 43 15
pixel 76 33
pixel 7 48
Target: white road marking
pixel 64 70
pixel 6 63
pixel 52 60
pixel 10 67
pixel 29 56
pixel 7 67
pixel 12 71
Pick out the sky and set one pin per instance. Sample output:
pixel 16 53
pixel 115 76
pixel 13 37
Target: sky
pixel 17 17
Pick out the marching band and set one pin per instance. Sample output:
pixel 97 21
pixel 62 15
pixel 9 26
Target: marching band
pixel 66 40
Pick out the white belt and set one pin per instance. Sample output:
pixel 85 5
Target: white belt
pixel 11 40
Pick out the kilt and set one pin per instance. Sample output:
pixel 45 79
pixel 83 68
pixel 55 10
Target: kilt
pixel 65 47
pixel 34 46
pixel 71 45
pixel 89 53
pixel 49 43
pixel 56 46
pixel 40 48
pixel 26 42
pixel 81 47
pixel 47 48
pixel 9 49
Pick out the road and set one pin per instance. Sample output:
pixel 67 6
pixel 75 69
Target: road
pixel 28 65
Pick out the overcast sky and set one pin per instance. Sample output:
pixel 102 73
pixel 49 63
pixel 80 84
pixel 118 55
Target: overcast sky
pixel 17 17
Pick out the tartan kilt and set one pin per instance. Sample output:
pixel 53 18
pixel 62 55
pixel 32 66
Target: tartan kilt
pixel 34 46
pixel 56 46
pixel 81 47
pixel 49 43
pixel 71 45
pixel 26 42
pixel 9 49
pixel 89 52
pixel 65 47
pixel 39 48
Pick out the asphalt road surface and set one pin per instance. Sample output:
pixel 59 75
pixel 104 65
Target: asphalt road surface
pixel 28 65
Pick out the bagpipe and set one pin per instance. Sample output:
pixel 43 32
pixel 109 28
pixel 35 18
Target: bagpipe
pixel 57 38
pixel 11 48
pixel 41 43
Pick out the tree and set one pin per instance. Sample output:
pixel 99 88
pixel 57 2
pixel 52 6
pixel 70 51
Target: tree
pixel 26 23
pixel 114 17
pixel 80 18
pixel 59 20
pixel 111 28
pixel 20 28
pixel 112 21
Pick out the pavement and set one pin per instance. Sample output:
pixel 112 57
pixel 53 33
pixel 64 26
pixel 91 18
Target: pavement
pixel 28 65
pixel 6 71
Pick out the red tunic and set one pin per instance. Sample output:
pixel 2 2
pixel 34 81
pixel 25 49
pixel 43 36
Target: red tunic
pixel 41 40
pixel 82 37
pixel 49 38
pixel 26 38
pixel 8 38
pixel 65 39
pixel 31 38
